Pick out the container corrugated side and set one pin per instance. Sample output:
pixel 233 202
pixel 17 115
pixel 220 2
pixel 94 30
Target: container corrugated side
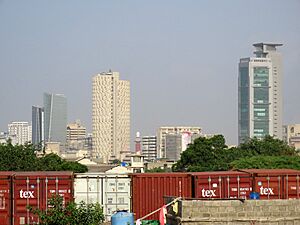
pixel 276 183
pixel 5 197
pixel 112 191
pixel 222 184
pixel 35 189
pixel 149 189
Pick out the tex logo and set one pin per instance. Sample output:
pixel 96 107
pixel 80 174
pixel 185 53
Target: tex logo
pixel 26 194
pixel 266 191
pixel 208 193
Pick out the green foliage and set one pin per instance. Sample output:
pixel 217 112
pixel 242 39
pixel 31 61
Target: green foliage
pixel 267 146
pixel 17 158
pixel 203 155
pixel 267 162
pixel 23 158
pixel 71 214
pixel 211 154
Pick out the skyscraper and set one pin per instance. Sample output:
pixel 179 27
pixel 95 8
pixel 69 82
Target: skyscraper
pixel 37 125
pixel 55 119
pixel 111 116
pixel 260 93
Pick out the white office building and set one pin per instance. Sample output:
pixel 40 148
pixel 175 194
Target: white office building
pixel 19 132
pixel 163 131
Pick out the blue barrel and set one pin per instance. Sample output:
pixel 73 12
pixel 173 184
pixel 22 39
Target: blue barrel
pixel 122 218
pixel 254 195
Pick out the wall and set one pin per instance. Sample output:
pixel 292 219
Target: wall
pixel 232 212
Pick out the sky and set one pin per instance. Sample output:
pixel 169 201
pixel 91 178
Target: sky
pixel 181 57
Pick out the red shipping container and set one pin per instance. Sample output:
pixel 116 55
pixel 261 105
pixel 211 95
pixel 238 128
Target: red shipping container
pixel 222 184
pixel 149 189
pixel 34 189
pixel 276 183
pixel 5 197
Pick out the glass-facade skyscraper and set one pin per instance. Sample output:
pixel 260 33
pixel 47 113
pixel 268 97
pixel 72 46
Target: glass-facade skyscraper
pixel 260 93
pixel 37 125
pixel 55 117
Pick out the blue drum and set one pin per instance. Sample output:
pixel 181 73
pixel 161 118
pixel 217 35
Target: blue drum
pixel 122 218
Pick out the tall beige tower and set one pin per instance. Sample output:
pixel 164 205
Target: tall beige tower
pixel 111 116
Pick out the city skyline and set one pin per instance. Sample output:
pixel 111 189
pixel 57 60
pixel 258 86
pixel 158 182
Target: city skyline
pixel 182 62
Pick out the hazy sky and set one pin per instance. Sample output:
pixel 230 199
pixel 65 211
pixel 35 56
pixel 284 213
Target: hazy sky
pixel 181 57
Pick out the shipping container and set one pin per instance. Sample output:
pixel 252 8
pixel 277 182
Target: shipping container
pixel 35 189
pixel 222 184
pixel 149 189
pixel 276 183
pixel 5 197
pixel 112 191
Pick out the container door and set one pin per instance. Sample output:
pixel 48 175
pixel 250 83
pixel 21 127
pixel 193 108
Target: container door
pixel 26 192
pixel 238 186
pixel 209 186
pixel 269 187
pixel 291 188
pixel 5 200
pixel 62 186
pixel 88 190
pixel 116 195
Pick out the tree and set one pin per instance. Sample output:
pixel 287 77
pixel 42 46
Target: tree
pixel 71 214
pixel 267 146
pixel 23 158
pixel 205 154
pixel 211 154
pixel 267 162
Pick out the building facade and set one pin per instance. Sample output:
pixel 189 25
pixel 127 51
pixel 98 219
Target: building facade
pixel 148 144
pixel 37 125
pixel 260 94
pixel 76 136
pixel 111 116
pixel 55 118
pixel 163 131
pixel 291 134
pixel 19 132
pixel 178 143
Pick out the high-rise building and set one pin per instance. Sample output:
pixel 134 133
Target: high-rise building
pixel 19 132
pixel 260 93
pixel 37 125
pixel 111 116
pixel 163 131
pixel 149 148
pixel 55 118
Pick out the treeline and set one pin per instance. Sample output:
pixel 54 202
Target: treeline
pixel 212 154
pixel 24 158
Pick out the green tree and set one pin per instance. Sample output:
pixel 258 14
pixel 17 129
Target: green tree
pixel 267 146
pixel 17 157
pixel 267 162
pixel 211 154
pixel 23 158
pixel 71 214
pixel 205 154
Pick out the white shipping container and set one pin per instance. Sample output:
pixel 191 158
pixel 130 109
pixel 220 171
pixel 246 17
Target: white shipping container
pixel 112 191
